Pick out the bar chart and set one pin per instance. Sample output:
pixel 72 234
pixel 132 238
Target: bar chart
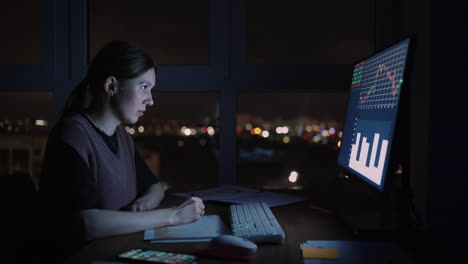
pixel 370 148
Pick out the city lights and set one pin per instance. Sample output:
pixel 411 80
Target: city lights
pixel 282 130
pixel 211 131
pixel 293 176
pixel 325 133
pixel 300 130
pixel 41 123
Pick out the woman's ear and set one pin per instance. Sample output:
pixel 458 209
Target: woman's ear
pixel 111 85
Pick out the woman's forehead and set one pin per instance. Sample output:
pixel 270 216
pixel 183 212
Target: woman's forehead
pixel 147 77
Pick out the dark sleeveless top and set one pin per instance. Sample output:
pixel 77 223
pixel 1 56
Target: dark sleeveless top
pixel 114 175
pixel 85 169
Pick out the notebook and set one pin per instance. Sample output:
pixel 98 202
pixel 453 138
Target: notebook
pixel 208 227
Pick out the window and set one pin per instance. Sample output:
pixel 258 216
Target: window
pixel 288 140
pixel 309 32
pixel 178 138
pixel 25 123
pixel 172 32
pixel 21 27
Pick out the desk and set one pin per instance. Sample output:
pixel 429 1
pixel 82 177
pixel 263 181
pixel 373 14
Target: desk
pixel 299 222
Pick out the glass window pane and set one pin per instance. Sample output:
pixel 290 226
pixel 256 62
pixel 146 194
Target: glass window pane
pixel 172 32
pixel 312 32
pixel 178 138
pixel 21 27
pixel 25 123
pixel 288 140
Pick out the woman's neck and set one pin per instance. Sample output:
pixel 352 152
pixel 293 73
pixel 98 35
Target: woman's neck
pixel 104 121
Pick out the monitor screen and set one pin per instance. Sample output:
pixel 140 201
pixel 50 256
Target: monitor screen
pixel 372 112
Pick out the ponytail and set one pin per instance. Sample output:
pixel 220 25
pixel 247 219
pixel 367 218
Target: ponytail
pixel 78 100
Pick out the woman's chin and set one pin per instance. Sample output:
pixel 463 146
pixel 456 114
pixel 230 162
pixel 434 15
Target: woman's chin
pixel 131 121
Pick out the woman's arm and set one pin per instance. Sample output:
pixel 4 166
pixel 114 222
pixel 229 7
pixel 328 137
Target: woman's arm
pixel 150 199
pixel 101 223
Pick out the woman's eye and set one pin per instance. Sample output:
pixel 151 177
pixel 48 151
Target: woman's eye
pixel 144 87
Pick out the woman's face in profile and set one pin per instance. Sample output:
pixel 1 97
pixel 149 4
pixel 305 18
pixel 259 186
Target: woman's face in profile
pixel 133 96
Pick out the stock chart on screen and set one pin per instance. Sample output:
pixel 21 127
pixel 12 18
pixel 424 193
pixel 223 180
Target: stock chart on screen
pixel 372 111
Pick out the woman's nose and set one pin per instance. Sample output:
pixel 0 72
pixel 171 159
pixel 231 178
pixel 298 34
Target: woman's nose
pixel 150 101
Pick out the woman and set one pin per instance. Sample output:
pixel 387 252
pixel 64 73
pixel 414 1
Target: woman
pixel 94 183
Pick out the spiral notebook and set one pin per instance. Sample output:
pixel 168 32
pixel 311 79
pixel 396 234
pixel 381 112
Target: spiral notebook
pixel 205 229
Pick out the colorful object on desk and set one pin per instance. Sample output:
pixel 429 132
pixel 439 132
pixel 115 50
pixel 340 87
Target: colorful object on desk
pixel 320 253
pixel 154 256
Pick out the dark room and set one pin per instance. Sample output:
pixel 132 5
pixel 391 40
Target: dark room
pixel 233 131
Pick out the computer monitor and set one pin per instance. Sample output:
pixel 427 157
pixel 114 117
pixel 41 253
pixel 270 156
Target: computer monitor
pixel 373 103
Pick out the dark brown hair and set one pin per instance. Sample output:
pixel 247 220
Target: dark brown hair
pixel 118 58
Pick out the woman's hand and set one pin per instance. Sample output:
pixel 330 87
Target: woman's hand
pixel 140 205
pixel 190 210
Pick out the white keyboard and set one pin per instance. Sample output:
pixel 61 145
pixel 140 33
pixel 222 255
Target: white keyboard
pixel 255 222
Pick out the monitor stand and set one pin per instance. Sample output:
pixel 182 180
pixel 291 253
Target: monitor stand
pixel 371 213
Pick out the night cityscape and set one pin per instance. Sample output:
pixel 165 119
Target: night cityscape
pixel 259 142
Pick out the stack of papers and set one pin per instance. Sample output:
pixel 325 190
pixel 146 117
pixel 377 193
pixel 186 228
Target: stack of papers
pixel 238 194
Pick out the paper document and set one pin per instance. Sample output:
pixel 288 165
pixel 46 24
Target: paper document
pixel 208 227
pixel 238 194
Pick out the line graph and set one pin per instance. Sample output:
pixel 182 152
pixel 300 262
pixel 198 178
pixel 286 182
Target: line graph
pixel 381 80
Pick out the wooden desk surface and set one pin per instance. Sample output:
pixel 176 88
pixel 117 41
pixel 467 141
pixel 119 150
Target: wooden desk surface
pixel 299 222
